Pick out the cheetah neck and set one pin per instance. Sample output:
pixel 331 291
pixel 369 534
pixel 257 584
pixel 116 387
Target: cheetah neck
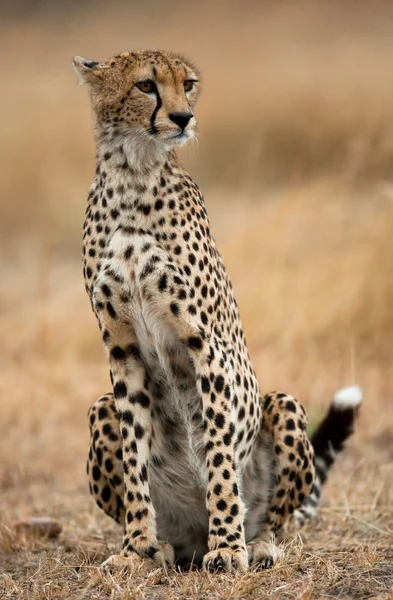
pixel 138 155
pixel 131 191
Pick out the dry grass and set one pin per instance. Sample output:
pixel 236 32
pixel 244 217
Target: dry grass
pixel 295 161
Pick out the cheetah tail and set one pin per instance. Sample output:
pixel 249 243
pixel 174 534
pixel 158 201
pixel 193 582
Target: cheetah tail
pixel 328 440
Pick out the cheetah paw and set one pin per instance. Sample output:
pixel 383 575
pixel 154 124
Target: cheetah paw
pixel 142 564
pixel 226 560
pixel 263 555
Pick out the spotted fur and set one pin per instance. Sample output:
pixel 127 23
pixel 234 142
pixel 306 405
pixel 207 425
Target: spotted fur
pixel 184 453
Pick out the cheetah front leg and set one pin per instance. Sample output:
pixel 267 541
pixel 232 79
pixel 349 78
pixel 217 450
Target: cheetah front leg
pixel 105 465
pixel 162 284
pixel 226 538
pixel 141 549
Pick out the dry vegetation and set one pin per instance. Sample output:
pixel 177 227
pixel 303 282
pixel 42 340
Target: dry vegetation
pixel 294 158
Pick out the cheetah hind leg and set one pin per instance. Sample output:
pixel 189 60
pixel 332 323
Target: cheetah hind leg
pixel 284 422
pixel 263 555
pixel 104 463
pixel 105 472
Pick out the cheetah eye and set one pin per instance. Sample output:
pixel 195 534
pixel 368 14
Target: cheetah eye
pixel 188 85
pixel 147 87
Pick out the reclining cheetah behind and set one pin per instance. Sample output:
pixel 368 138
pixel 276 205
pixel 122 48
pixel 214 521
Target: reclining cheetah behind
pixel 185 452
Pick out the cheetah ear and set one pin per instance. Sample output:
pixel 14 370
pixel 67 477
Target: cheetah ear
pixel 87 71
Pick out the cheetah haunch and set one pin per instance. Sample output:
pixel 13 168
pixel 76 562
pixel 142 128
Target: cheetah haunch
pixel 185 453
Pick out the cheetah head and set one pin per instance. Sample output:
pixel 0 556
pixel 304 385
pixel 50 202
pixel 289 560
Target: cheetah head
pixel 142 97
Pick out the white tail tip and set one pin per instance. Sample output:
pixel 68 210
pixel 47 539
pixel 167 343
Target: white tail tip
pixel 348 397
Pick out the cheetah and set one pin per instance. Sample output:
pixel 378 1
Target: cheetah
pixel 185 453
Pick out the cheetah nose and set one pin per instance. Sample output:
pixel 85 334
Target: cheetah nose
pixel 181 118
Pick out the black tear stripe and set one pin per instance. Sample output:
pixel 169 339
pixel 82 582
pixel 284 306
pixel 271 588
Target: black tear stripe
pixel 153 128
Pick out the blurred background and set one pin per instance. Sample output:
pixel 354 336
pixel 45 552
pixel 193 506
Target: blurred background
pixel 295 159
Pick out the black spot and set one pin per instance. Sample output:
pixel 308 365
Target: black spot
pixel 127 417
pixel 102 413
pixel 288 440
pixel 175 308
pixel 140 514
pixel 218 459
pixel 139 431
pixel 300 449
pixel 136 533
pixel 117 353
pixel 116 480
pixel 219 383
pixel 195 343
pixel 291 406
pixel 141 399
pixel 209 413
pixel 220 420
pixel 111 310
pixel 205 385
pixel 227 439
pixel 120 390
pixel 145 208
pixel 204 318
pixel 106 494
pixel 148 269
pixel 96 473
pixel 128 252
pixel 109 465
pixel 163 283
pixel 106 290
pixel 221 505
pixel 143 476
pixel 241 413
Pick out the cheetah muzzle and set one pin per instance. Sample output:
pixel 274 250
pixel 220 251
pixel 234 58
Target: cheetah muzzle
pixel 185 453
